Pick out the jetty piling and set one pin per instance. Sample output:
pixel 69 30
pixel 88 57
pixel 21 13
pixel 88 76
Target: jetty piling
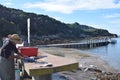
pixel 87 43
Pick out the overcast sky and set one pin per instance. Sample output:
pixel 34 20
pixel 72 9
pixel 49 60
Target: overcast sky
pixel 103 14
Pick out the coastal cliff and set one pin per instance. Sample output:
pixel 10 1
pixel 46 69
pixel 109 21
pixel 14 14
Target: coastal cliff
pixel 44 29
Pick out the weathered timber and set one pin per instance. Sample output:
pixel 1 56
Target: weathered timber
pixel 40 72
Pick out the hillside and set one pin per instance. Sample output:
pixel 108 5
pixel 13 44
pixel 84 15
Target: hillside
pixel 43 27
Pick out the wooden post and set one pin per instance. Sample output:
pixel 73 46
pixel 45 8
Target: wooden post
pixel 28 27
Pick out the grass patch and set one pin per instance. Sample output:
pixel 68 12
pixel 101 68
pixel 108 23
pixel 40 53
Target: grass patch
pixel 84 55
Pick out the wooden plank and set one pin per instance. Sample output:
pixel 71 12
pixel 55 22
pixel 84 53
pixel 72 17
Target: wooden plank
pixel 58 64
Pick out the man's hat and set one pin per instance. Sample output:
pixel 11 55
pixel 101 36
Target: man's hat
pixel 15 38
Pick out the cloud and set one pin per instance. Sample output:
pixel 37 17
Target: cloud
pixel 115 15
pixel 8 3
pixel 113 18
pixel 56 6
pixel 68 6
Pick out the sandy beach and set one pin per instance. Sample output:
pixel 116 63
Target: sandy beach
pixel 91 67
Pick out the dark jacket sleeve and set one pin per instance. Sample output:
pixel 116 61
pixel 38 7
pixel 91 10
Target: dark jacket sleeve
pixel 8 48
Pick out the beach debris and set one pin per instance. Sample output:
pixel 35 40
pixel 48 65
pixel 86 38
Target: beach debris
pixel 94 78
pixel 33 58
pixel 29 59
pixel 86 69
pixel 47 65
pixel 108 76
pixel 91 67
pixel 81 66
pixel 64 77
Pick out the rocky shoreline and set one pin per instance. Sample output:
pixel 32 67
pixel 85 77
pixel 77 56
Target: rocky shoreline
pixel 91 67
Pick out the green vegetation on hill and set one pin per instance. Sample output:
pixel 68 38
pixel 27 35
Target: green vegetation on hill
pixel 44 28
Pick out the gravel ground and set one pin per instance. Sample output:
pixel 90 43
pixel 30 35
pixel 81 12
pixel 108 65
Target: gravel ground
pixel 90 66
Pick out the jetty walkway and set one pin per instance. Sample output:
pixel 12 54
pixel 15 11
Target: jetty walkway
pixel 86 43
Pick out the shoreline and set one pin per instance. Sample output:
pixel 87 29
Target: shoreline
pixel 84 58
pixel 87 62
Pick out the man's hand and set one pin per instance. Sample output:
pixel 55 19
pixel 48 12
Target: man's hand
pixel 18 56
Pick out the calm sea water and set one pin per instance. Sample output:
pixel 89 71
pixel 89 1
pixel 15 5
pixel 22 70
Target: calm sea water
pixel 109 53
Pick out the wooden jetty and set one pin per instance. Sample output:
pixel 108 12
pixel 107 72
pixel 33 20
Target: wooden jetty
pixel 87 43
pixel 39 71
